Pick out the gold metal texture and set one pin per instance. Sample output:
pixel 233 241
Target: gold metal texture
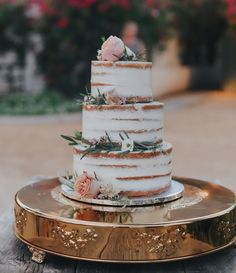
pixel 202 221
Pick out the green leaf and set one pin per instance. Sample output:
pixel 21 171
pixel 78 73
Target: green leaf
pixel 109 139
pixel 66 182
pixel 122 138
pixel 87 91
pixel 69 138
pixel 124 153
pixel 78 135
pixel 126 134
pixel 140 145
pixel 73 143
pixel 88 151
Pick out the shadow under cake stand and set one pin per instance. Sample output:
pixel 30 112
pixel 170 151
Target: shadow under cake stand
pixel 202 221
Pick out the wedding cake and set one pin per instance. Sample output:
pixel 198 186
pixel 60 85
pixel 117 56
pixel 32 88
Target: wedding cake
pixel 120 151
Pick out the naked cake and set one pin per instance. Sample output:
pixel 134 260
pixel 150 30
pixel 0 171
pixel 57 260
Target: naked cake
pixel 120 151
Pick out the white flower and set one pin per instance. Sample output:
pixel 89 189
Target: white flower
pixel 99 55
pixel 127 145
pixel 108 192
pixel 130 53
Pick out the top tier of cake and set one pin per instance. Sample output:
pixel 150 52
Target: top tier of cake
pixel 125 79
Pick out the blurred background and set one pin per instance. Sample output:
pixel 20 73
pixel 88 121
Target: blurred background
pixel 46 47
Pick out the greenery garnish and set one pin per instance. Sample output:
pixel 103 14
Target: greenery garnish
pixel 88 99
pixel 105 144
pixel 105 192
pixel 139 57
pixel 108 193
pixel 130 57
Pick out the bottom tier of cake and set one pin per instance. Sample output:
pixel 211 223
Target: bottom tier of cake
pixel 132 174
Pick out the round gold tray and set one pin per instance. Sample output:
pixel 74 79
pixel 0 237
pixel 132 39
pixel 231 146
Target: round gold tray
pixel 201 222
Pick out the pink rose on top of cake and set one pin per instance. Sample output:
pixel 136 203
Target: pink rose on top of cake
pixel 114 49
pixel 85 186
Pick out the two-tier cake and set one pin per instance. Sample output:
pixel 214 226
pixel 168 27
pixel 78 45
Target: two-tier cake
pixel 120 151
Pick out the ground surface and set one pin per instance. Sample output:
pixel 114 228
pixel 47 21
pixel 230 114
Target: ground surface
pixel 201 127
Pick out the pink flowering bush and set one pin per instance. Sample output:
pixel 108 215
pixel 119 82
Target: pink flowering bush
pixel 231 12
pixel 71 32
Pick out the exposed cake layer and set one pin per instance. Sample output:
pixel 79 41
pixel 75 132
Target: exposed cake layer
pixel 135 173
pixel 131 80
pixel 142 121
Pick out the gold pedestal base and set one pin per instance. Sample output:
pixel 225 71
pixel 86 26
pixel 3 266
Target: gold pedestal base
pixel 37 255
pixel 201 222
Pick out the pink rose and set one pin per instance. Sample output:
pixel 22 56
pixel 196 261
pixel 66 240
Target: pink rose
pixel 85 186
pixel 112 49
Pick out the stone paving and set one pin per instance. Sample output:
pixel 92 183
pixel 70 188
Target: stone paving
pixel 201 126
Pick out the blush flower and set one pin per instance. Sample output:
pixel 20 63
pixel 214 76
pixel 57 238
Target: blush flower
pixel 85 186
pixel 112 49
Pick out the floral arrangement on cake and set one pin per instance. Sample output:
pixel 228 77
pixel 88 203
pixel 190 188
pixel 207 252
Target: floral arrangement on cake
pixel 86 186
pixel 108 98
pixel 113 49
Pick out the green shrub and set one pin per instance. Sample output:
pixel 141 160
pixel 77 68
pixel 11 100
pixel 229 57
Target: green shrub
pixel 48 102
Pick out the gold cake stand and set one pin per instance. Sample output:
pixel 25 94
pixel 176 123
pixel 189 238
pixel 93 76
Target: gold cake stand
pixel 200 222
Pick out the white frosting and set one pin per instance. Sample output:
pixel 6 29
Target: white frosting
pixel 137 171
pixel 141 124
pixel 154 172
pixel 131 81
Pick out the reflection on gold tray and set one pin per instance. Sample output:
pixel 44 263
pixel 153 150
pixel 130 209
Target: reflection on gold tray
pixel 174 192
pixel 202 221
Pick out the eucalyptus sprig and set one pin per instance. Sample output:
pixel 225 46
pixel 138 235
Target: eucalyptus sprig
pixel 76 139
pixel 88 99
pixel 105 144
